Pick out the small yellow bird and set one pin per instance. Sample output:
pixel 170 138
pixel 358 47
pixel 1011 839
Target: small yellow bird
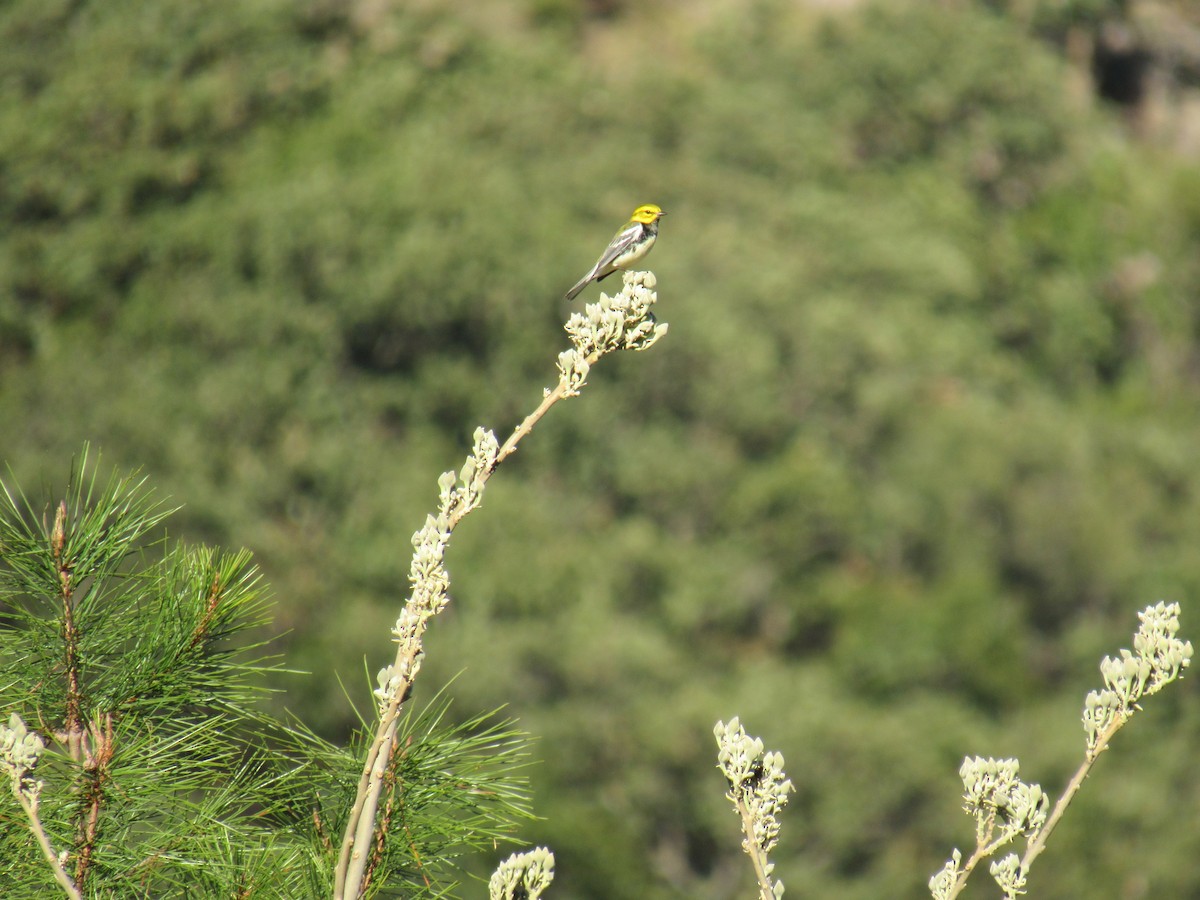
pixel 628 245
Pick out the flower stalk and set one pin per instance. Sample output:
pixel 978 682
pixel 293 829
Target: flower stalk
pixel 623 322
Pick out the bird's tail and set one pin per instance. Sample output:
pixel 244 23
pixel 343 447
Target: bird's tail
pixel 579 286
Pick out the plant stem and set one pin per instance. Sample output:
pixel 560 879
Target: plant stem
pixel 356 842
pixel 30 805
pixel 758 858
pixel 1038 843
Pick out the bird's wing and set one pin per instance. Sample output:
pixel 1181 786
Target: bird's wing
pixel 620 243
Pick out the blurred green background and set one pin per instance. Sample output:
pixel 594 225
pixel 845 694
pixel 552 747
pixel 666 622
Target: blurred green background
pixel 921 441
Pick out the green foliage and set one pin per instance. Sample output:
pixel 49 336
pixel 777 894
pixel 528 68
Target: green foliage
pixel 924 424
pixel 132 660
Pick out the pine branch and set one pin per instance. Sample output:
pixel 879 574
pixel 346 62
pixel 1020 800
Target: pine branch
pixel 131 669
pixel 168 780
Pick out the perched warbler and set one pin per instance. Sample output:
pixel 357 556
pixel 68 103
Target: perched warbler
pixel 628 245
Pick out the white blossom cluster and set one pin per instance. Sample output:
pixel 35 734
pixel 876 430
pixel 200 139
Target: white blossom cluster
pixel 1157 659
pixel 996 796
pixel 756 782
pixel 523 876
pixel 20 750
pixel 623 322
pixel 1003 806
pixel 1009 876
pixel 942 884
pixel 458 494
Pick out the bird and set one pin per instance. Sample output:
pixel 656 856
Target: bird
pixel 628 245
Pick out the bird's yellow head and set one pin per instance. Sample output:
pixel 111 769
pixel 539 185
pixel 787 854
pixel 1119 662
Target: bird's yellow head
pixel 647 214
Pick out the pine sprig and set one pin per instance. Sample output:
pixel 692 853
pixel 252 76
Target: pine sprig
pixel 134 664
